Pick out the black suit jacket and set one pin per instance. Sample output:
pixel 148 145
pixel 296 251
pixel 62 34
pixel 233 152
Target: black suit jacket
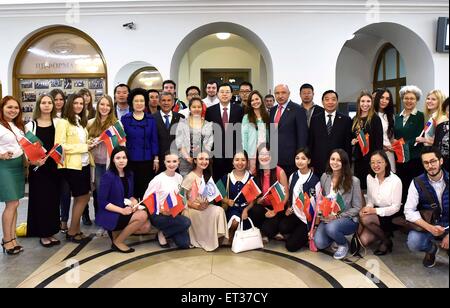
pixel 235 116
pixel 165 139
pixel 292 132
pixel 321 144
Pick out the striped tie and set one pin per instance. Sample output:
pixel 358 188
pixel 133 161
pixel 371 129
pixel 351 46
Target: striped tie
pixel 329 124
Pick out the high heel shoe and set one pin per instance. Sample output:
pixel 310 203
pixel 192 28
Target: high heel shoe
pixel 162 240
pixel 20 248
pixel 11 251
pixel 388 248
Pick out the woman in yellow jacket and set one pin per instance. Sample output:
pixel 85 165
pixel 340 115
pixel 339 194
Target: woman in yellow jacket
pixel 71 133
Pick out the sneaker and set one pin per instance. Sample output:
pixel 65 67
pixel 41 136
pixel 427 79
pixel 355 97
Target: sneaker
pixel 430 257
pixel 279 237
pixel 341 252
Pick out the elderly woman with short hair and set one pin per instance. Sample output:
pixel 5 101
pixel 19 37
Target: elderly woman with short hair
pixel 408 125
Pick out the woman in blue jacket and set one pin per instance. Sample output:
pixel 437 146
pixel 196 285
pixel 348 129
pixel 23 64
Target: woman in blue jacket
pixel 142 141
pixel 118 211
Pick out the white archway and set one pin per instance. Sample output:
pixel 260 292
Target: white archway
pixel 356 62
pixel 124 73
pixel 212 28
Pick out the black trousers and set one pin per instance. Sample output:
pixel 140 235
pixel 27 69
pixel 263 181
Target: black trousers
pixel 269 226
pixel 407 172
pixel 296 229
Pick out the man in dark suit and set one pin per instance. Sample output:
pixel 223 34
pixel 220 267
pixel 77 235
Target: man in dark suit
pixel 165 120
pixel 328 131
pixel 227 137
pixel 291 127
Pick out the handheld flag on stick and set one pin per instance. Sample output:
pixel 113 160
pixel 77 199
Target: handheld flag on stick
pixel 32 147
pixel 151 202
pixel 363 141
pixel 429 129
pixel 401 150
pixel 277 197
pixel 250 191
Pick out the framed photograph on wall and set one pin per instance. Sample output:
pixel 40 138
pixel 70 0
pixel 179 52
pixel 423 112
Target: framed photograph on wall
pixel 26 84
pixel 41 84
pixel 56 83
pixel 67 84
pixel 96 84
pixel 28 96
pixel 78 83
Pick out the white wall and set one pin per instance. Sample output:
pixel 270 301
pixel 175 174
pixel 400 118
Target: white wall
pixel 304 45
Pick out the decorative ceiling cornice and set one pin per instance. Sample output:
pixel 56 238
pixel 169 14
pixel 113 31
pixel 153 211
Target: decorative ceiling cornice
pixel 115 7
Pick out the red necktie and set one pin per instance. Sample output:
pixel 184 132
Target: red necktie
pixel 278 115
pixel 225 117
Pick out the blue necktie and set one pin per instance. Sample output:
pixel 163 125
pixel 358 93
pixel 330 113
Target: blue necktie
pixel 167 121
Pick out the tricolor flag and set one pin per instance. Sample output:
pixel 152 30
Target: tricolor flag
pixel 338 205
pixel 277 197
pixel 401 150
pixel 303 203
pixel 110 139
pixel 151 202
pixel 174 204
pixel 57 153
pixel 363 141
pixel 250 191
pixel 32 147
pixel 119 131
pixel 430 128
pixel 223 191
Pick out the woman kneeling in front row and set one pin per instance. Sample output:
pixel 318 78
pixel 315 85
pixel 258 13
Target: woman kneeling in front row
pixel 120 219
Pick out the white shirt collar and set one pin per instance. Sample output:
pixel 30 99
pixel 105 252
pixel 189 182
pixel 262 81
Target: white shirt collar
pixel 170 114
pixel 438 181
pixel 333 114
pixel 414 112
pixel 244 180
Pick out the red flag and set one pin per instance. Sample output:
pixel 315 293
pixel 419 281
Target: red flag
pixel 276 204
pixel 325 207
pixel 34 151
pixel 251 191
pixel 174 211
pixel 151 203
pixel 364 144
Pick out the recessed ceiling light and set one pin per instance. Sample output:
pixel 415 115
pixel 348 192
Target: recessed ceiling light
pixel 223 35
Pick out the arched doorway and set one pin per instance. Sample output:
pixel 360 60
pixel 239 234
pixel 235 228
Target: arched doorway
pixel 358 59
pixel 139 74
pixel 57 57
pixel 194 48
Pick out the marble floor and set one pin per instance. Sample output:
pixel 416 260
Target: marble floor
pixel 95 265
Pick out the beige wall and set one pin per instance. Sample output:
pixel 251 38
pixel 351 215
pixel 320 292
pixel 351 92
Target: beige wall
pixel 212 53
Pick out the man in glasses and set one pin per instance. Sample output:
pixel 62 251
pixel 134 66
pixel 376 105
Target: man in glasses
pixel 429 191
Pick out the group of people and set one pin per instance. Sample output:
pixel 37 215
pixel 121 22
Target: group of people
pixel 173 148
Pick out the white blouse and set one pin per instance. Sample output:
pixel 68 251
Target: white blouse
pixel 385 123
pixel 387 196
pixel 8 140
pixel 163 185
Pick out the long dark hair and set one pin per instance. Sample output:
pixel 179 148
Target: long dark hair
pixel 260 173
pixel 70 115
pixel 207 173
pixel 262 109
pixel 346 176
pixel 112 165
pixel 389 111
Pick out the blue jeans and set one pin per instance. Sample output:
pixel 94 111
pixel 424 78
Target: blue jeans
pixel 335 231
pixel 420 241
pixel 65 200
pixel 176 228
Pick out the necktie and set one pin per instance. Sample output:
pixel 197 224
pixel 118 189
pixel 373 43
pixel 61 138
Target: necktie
pixel 329 124
pixel 167 122
pixel 278 115
pixel 225 117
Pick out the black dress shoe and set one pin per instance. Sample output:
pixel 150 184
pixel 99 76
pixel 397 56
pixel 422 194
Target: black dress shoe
pixel 115 248
pixel 387 248
pixel 46 245
pixel 160 236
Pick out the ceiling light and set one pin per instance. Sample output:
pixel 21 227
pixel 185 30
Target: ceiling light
pixel 223 35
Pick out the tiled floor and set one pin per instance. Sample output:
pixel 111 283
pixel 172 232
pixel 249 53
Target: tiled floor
pixel 95 266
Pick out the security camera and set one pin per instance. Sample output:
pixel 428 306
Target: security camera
pixel 130 26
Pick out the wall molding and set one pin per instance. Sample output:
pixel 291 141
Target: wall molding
pixel 153 7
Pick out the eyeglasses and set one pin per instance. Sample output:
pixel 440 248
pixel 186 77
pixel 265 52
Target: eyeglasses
pixel 431 162
pixel 244 91
pixel 380 162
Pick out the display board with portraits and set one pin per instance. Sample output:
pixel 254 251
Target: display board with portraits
pixel 31 89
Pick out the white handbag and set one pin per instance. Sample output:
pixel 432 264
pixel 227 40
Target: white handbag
pixel 245 240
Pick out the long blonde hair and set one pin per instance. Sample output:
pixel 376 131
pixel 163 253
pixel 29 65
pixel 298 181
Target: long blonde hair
pixel 356 121
pixel 439 113
pixel 98 127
